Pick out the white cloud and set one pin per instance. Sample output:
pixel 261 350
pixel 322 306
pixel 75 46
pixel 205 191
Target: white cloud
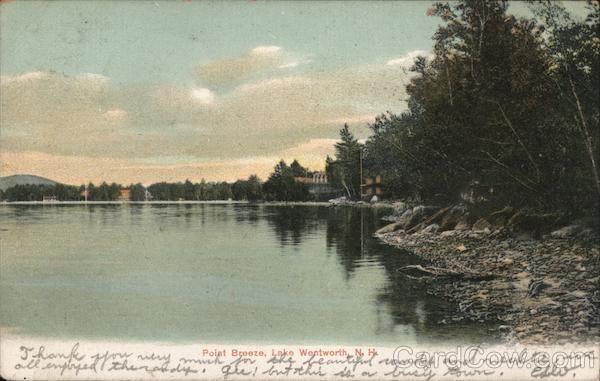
pixel 231 70
pixel 354 119
pixel 273 83
pixel 257 63
pixel 93 77
pixel 30 76
pixel 293 64
pixel 203 95
pixel 115 114
pixel 269 117
pixel 266 50
pixel 408 59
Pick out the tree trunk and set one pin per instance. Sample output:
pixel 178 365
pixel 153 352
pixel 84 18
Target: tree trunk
pixel 347 190
pixel 587 138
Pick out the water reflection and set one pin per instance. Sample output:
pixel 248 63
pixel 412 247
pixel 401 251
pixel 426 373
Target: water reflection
pixel 349 232
pixel 220 273
pixel 292 224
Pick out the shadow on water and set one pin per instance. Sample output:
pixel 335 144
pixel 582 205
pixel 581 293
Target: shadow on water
pixel 349 233
pixel 292 224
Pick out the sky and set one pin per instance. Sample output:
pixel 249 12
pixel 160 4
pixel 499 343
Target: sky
pixel 148 91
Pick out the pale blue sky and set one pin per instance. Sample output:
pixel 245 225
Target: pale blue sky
pixel 154 90
pixel 160 41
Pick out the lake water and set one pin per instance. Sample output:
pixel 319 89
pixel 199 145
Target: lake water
pixel 212 273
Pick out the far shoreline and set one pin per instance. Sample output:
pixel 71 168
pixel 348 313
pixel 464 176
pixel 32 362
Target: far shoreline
pixel 204 202
pixel 120 202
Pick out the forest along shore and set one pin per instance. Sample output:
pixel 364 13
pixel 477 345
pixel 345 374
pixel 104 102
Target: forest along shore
pixel 538 278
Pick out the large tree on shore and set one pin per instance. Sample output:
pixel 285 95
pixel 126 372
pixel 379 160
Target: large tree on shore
pixel 496 106
pixel 282 185
pixel 344 171
pixel 575 49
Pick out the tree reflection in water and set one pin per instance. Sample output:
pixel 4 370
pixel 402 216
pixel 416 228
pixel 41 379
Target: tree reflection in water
pixel 349 233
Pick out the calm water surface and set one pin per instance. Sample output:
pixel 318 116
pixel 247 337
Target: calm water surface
pixel 212 273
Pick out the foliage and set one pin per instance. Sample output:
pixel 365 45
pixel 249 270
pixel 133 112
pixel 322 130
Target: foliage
pixel 189 191
pixel 104 192
pixel 250 189
pixel 344 171
pixel 507 105
pixel 282 185
pixel 35 192
pixel 138 192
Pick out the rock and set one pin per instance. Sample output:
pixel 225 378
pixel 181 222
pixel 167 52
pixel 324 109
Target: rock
pixel 578 293
pixel 587 234
pixel 389 218
pixel 449 233
pixel 461 248
pixel 399 207
pixel 501 217
pixel 506 262
pixel 452 218
pixel 405 217
pixel 433 228
pixel 463 223
pixel 437 216
pixel 481 225
pixel 390 228
pixel 419 213
pixel 535 224
pixel 567 231
pixel 339 200
pixel 427 221
pixel 535 287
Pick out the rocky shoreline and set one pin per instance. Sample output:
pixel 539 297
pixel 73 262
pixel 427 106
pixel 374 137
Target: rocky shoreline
pixel 543 290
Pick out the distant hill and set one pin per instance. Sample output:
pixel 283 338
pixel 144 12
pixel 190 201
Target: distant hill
pixel 10 181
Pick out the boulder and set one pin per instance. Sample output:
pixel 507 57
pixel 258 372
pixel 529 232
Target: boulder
pixel 463 222
pixel 587 234
pixel 399 207
pixel 481 225
pixel 338 201
pixel 566 231
pixel 433 228
pixel 390 228
pixel 419 214
pixel 452 218
pixel 501 217
pixel 535 224
pixel 405 217
pixel 417 228
pixel 437 216
pixel 434 219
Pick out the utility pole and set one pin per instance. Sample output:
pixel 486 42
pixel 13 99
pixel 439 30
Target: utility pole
pixel 361 173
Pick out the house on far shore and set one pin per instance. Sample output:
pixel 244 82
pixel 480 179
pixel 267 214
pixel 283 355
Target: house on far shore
pixel 49 199
pixel 371 187
pixel 317 185
pixel 124 194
